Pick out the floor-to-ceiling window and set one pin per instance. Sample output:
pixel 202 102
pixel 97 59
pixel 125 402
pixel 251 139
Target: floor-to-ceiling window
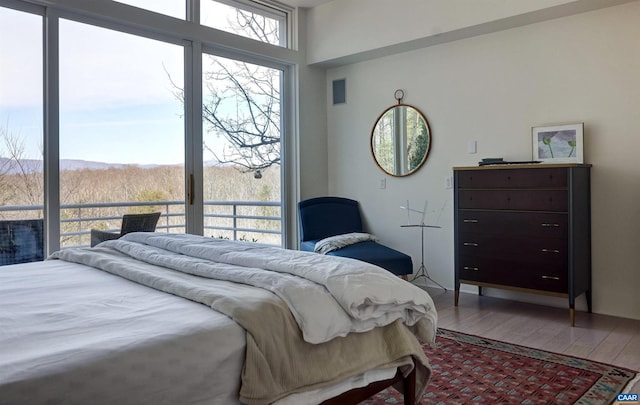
pixel 241 150
pixel 21 142
pixel 242 127
pixel 128 93
pixel 121 130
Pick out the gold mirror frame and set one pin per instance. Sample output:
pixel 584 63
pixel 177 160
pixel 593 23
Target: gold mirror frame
pixel 400 140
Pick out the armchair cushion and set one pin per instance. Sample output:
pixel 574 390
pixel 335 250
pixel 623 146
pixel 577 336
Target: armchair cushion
pixel 324 217
pixel 383 256
pixel 308 245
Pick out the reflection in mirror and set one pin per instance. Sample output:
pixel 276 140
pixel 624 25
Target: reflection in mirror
pixel 400 140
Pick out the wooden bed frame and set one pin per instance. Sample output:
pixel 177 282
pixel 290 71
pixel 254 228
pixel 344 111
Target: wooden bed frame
pixel 358 395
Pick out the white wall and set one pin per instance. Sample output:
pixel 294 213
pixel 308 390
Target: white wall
pixel 493 89
pixel 312 123
pixel 355 30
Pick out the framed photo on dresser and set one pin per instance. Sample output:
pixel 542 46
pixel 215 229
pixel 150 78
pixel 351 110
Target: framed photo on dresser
pixel 558 143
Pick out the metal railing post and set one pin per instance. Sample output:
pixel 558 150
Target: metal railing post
pixel 166 218
pixel 235 222
pixel 79 225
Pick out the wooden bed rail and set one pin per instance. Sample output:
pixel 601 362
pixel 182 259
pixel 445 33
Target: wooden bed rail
pixel 358 395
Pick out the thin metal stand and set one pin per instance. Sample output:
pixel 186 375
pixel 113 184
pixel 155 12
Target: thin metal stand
pixel 422 270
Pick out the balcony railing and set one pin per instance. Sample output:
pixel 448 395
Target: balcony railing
pixel 236 220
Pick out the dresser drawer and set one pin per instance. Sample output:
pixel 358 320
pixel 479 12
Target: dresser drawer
pixel 543 251
pixel 513 178
pixel 520 200
pixel 536 224
pixel 514 273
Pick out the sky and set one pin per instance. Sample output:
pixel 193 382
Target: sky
pixel 117 102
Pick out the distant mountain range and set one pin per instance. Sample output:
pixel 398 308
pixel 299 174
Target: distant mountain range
pixel 34 165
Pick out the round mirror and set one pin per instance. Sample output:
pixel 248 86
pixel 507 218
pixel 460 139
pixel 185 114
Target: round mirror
pixel 400 140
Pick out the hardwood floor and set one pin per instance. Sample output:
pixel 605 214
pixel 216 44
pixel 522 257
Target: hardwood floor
pixel 602 338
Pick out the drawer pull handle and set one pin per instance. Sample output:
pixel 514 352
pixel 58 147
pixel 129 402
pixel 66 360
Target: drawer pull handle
pixel 470 244
pixel 551 225
pixel 471 268
pixel 470 221
pixel 550 250
pixel 551 278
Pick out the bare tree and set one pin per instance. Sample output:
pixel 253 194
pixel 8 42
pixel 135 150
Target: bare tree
pixel 242 102
pixel 243 106
pixel 21 179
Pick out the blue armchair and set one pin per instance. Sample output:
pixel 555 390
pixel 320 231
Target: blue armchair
pixel 323 217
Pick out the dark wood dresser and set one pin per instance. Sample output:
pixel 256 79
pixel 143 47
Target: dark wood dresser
pixel 525 228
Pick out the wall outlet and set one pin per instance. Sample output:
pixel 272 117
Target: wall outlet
pixel 448 182
pixel 383 184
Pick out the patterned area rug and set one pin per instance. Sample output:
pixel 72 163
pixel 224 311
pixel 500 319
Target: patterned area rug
pixel 472 370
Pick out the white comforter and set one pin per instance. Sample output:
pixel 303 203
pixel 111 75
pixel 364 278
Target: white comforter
pixel 73 335
pixel 357 301
pixel 90 353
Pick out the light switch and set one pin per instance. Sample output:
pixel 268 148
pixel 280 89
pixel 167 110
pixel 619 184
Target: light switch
pixel 472 147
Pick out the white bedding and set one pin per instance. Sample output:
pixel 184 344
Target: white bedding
pixel 132 344
pixel 329 296
pixel 124 343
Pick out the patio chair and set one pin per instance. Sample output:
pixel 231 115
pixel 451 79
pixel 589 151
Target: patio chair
pixel 21 241
pixel 323 217
pixel 130 223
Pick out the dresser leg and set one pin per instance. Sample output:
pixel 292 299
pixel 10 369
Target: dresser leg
pixel 456 296
pixel 588 295
pixel 572 316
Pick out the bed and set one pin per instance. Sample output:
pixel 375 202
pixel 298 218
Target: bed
pixel 167 318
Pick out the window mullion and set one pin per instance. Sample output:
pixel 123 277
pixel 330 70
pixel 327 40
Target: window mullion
pixel 193 138
pixel 193 11
pixel 51 130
